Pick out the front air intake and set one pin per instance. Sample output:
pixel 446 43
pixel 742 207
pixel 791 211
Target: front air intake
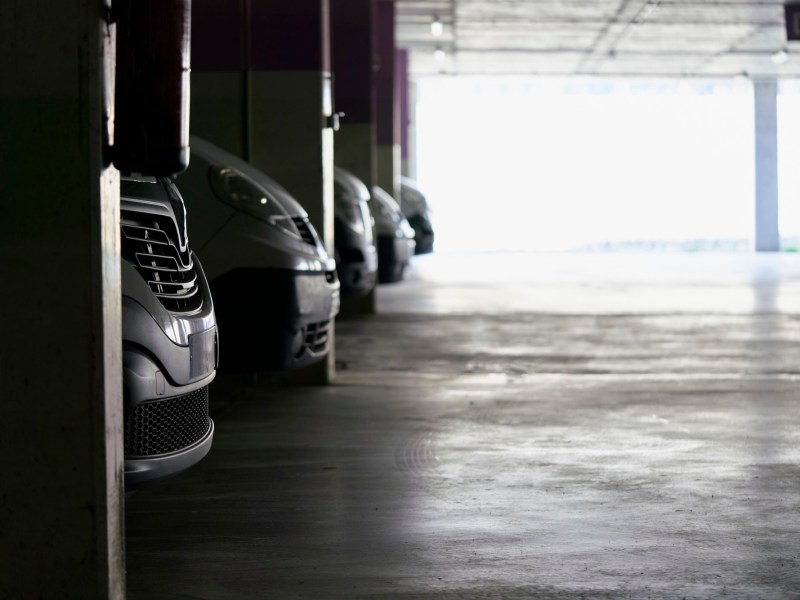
pixel 167 425
pixel 305 230
pixel 316 338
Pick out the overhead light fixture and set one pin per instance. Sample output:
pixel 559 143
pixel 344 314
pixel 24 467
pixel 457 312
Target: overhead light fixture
pixel 437 27
pixel 439 54
pixel 780 57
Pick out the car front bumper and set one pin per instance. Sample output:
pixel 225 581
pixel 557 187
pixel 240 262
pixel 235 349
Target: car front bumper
pixel 394 254
pixel 275 319
pixel 168 359
pixel 167 427
pixel 423 230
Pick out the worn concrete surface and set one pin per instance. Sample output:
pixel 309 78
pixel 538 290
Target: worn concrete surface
pixel 630 440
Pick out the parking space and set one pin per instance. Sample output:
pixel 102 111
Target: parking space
pixel 483 453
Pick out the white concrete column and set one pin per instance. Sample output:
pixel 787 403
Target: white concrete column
pixel 765 96
pixel 411 163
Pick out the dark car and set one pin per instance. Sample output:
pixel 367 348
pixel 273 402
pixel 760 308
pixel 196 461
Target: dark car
pixel 416 209
pixel 395 237
pixel 356 254
pixel 275 287
pixel 170 348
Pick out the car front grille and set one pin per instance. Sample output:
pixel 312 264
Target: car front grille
pixel 305 230
pixel 167 425
pixel 150 242
pixel 316 340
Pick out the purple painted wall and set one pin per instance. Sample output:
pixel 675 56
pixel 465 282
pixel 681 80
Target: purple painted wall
pixel 274 40
pixel 385 97
pixel 218 43
pixel 352 59
pixel 219 35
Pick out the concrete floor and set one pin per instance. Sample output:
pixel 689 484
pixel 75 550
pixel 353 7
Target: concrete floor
pixel 613 426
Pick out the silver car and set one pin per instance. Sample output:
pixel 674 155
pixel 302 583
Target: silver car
pixel 275 287
pixel 417 210
pixel 170 349
pixel 356 254
pixel 395 237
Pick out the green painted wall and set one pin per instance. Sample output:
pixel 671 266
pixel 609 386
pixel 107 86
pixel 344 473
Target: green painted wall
pixel 388 168
pixel 289 140
pixel 217 110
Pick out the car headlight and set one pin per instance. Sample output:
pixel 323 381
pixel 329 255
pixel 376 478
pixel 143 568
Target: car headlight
pixel 242 193
pixel 368 223
pixel 350 213
pixel 382 210
pixel 385 214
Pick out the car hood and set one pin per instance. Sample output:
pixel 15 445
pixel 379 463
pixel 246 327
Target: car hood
pixel 347 187
pixel 388 217
pixel 412 200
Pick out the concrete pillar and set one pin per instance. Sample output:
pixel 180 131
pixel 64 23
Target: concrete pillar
pixel 765 93
pixel 354 91
pixel 411 161
pixel 354 95
pixel 289 74
pixel 387 115
pixel 402 87
pixel 61 479
pixel 220 82
pixel 261 88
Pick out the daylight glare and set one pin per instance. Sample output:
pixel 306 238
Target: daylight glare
pixel 532 164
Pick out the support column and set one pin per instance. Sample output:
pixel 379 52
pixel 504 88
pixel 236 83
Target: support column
pixel 354 95
pixel 354 91
pixel 765 94
pixel 402 86
pixel 411 165
pixel 219 81
pixel 387 115
pixel 290 102
pixel 61 479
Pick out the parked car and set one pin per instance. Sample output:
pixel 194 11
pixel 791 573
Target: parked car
pixel 170 348
pixel 275 287
pixel 417 210
pixel 356 254
pixel 395 237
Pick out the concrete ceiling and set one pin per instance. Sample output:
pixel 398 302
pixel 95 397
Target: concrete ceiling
pixel 700 38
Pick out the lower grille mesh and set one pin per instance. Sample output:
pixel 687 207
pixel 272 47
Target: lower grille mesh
pixel 163 426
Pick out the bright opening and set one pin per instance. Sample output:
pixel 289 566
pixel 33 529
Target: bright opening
pixel 538 165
